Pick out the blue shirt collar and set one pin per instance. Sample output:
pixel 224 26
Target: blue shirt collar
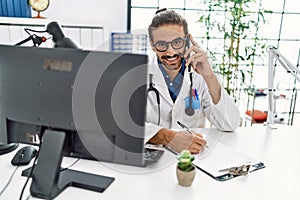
pixel 174 86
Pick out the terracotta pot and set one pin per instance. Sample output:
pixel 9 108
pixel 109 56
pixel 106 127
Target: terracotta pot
pixel 185 178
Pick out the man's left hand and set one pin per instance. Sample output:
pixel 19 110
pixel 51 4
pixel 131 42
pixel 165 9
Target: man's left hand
pixel 198 59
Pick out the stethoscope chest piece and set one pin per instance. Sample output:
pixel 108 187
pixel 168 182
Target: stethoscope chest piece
pixel 189 111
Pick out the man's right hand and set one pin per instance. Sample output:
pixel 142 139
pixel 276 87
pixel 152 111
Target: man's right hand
pixel 195 143
pixel 179 140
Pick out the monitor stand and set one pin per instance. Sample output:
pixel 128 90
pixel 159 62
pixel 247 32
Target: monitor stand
pixel 49 180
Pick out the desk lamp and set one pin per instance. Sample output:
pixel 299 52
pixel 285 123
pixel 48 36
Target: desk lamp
pixel 58 37
pixel 289 67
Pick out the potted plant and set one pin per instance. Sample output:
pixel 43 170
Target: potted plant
pixel 185 169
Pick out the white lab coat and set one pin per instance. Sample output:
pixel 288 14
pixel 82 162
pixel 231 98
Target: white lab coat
pixel 224 115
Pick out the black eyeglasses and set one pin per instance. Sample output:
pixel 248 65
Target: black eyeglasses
pixel 162 46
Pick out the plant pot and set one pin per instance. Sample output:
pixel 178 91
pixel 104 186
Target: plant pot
pixel 185 178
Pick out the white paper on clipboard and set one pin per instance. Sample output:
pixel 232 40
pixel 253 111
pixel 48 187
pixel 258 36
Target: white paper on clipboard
pixel 219 156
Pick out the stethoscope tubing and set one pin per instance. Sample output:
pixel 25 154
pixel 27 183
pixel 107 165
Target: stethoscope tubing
pixel 189 110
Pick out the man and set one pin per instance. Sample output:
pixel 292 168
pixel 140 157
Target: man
pixel 186 87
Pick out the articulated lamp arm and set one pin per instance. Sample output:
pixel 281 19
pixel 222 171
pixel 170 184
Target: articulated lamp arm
pixel 289 67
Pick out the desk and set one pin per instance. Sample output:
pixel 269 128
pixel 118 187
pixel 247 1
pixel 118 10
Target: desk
pixel 279 149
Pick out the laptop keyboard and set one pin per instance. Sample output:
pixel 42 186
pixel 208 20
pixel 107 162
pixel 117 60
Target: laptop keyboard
pixel 153 155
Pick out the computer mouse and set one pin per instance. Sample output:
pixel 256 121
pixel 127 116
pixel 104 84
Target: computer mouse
pixel 24 156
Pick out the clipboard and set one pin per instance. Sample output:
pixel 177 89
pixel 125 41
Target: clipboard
pixel 217 160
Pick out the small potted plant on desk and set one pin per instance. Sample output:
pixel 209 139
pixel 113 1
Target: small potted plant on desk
pixel 185 170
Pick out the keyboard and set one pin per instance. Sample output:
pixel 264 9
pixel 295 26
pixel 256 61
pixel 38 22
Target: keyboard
pixel 153 155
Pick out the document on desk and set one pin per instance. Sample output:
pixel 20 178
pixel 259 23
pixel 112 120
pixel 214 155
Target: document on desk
pixel 217 157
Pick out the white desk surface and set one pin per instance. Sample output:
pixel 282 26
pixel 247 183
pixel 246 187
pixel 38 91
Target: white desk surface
pixel 279 149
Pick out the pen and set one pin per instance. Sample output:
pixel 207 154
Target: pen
pixel 196 93
pixel 186 128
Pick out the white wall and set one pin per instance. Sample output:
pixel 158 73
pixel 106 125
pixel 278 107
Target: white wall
pixel 109 13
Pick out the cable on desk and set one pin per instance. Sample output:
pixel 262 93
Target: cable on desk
pixel 10 178
pixel 63 169
pixel 31 171
pixel 28 197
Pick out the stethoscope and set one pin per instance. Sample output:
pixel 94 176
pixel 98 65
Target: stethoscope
pixel 188 110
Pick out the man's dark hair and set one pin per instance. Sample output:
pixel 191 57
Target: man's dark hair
pixel 164 16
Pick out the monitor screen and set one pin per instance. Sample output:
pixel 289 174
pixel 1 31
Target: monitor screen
pixel 97 98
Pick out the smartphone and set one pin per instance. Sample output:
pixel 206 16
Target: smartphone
pixel 187 41
pixel 187 47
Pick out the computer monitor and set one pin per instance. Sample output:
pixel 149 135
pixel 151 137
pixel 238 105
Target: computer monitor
pixel 97 98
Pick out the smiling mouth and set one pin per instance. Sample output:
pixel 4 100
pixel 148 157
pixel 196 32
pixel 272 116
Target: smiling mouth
pixel 171 58
pixel 171 62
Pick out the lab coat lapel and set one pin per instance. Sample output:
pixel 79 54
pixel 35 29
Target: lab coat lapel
pixel 185 88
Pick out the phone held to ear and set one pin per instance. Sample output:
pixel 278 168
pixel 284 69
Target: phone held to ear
pixel 188 45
